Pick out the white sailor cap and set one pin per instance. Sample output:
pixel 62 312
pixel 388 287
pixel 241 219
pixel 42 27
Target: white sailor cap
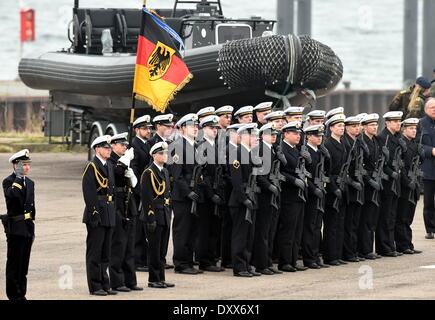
pixel 190 118
pixel 350 121
pixel 144 121
pixel 161 146
pixel 333 112
pixel 410 122
pixel 269 128
pixel 207 111
pixel 338 118
pixel 292 126
pixel 317 129
pixel 235 126
pixel 102 141
pixel 264 106
pixel 120 138
pixel 316 114
pixel 370 118
pixel 209 121
pixel 164 119
pixel 361 115
pixel 243 111
pixel 22 155
pixel 276 115
pixel 224 110
pixel 393 115
pixel 294 111
pixel 249 128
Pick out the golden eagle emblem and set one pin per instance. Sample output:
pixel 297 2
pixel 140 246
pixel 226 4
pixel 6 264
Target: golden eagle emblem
pixel 159 61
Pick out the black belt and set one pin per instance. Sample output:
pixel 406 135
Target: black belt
pixel 106 198
pixel 121 189
pixel 161 202
pixel 20 217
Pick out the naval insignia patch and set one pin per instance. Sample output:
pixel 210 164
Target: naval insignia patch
pixel 175 158
pixel 236 164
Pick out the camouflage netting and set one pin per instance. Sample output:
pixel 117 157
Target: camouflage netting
pixel 267 61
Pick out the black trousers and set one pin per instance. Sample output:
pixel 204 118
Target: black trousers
pixel 183 235
pixel 122 264
pixel 289 231
pixel 384 237
pixel 403 231
pixel 156 264
pixel 165 244
pixel 351 222
pixel 242 239
pixel 333 232
pixel 263 224
pixel 272 235
pixel 141 245
pixel 368 222
pixel 227 225
pixel 311 234
pixel 98 247
pixel 429 205
pixel 206 244
pixel 17 265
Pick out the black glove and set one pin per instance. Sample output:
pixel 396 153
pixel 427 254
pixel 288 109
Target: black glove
pixel 281 157
pixel 193 196
pixel 248 204
pixel 325 151
pixel 305 154
pixel 95 220
pixel 356 185
pixel 273 189
pixel 216 199
pixel 338 194
pixel 318 193
pixel 394 175
pixel 374 185
pixel 403 145
pixel 151 226
pixel 299 183
pixel 412 185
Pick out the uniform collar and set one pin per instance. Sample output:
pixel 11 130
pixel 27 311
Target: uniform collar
pixel 289 144
pixel 267 144
pixel 249 150
pixel 235 145
pixel 209 141
pixel 101 159
pixel 158 167
pixel 144 141
pixel 191 142
pixel 312 147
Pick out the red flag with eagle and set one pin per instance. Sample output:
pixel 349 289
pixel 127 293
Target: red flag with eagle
pixel 160 71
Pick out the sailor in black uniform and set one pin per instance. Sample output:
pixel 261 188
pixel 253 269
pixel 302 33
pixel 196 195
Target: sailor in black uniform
pixel 19 191
pixel 122 265
pixel 384 238
pixel 225 115
pixel 410 179
pixel 293 199
pixel 244 115
pixel 294 114
pixel 186 193
pixel 142 127
pixel 261 110
pixel 155 195
pixel 98 186
pixel 333 231
pixel 315 117
pixel 163 126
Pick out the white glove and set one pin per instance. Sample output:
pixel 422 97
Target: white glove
pixel 130 175
pixel 127 157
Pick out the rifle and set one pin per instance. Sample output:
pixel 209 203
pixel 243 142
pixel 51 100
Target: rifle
pixel 378 174
pixel 251 189
pixel 415 174
pixel 343 177
pixel 397 164
pixel 194 186
pixel 217 187
pixel 276 177
pixel 360 172
pixel 320 182
pixel 302 172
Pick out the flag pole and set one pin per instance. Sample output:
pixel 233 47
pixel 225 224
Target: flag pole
pixel 133 95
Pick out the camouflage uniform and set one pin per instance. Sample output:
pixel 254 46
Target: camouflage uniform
pixel 401 101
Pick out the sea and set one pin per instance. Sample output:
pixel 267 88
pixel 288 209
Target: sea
pixel 365 34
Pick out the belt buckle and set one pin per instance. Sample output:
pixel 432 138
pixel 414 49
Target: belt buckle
pixel 27 216
pixel 166 201
pixel 109 198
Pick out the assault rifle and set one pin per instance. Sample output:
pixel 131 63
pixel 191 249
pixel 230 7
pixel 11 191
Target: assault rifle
pixel 250 191
pixel 218 187
pixel 276 177
pixel 378 173
pixel 343 177
pixel 397 164
pixel 415 174
pixel 301 171
pixel 320 181
pixel 195 184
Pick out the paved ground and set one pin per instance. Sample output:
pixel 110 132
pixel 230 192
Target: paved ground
pixel 57 263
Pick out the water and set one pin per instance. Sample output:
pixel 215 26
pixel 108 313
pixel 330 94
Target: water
pixel 366 35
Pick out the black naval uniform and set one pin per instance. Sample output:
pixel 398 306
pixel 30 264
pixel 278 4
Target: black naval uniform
pixel 242 238
pixel 122 264
pixel 155 195
pixel 314 209
pixel 265 212
pixel 370 210
pixel 409 196
pixel 185 223
pixel 387 215
pixel 98 186
pixel 20 202
pixel 292 210
pixel 139 163
pixel 333 231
